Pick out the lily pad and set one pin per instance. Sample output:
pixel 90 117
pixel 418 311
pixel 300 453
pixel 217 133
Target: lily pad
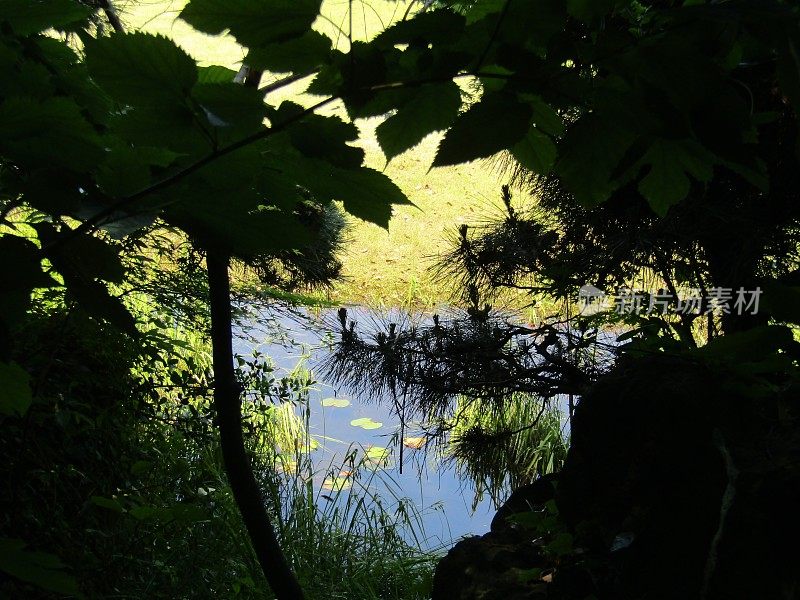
pixel 366 423
pixel 335 402
pixel 377 454
pixel 414 443
pixel 336 484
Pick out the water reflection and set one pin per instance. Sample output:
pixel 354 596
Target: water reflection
pixel 341 423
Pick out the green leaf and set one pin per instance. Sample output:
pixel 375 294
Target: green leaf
pixel 141 466
pixel 233 110
pixel 366 193
pixel 40 569
pixel 430 27
pixel 154 513
pixel 215 74
pixel 229 204
pixel 317 136
pixel 15 389
pixel 36 133
pixel 380 103
pixel 253 23
pixel 21 266
pixel 561 544
pixel 108 503
pixel 299 55
pixel 497 122
pixel 670 161
pixel 94 298
pixel 481 9
pixel 781 301
pixel 81 262
pixel 20 273
pixel 666 183
pixel 494 78
pixel 377 454
pixel 366 423
pixel 335 402
pixel 432 108
pixel 86 257
pixel 337 484
pixel 526 575
pixel 170 127
pixel 528 24
pixel 536 152
pixel 141 69
pixel 184 512
pixel 327 82
pixel 123 172
pixel 589 10
pixel 27 17
pixel 544 116
pixel 749 345
pixel 588 155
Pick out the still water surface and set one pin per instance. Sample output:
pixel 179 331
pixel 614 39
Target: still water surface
pixel 443 500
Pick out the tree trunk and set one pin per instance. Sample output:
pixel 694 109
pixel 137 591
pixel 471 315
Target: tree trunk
pixel 228 406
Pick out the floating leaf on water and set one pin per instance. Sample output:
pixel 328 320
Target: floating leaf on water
pixel 366 423
pixel 335 402
pixel 337 484
pixel 414 443
pixel 377 454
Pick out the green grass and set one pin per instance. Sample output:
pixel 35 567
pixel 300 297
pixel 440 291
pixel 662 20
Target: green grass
pixel 381 268
pixel 485 453
pixel 342 539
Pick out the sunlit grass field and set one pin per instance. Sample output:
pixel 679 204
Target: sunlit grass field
pixel 381 268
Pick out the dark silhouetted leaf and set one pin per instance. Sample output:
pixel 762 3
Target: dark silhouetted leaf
pixel 35 133
pixel 40 569
pixel 316 136
pixel 233 110
pixel 432 108
pixel 300 54
pixel 27 17
pixel 497 122
pixel 749 345
pixel 588 10
pixel 544 116
pixel 782 302
pixel 535 152
pixel 141 69
pixel 366 194
pixel 215 74
pixel 588 154
pixel 429 27
pixel 667 183
pixel 253 23
pixel 15 390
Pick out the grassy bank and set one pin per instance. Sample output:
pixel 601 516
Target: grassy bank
pixel 381 268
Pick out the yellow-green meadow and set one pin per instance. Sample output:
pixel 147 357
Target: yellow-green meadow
pixel 381 268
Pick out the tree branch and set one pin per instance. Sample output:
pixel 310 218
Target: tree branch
pixel 98 218
pixel 228 406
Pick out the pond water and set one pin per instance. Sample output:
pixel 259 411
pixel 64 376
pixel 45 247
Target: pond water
pixel 443 500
